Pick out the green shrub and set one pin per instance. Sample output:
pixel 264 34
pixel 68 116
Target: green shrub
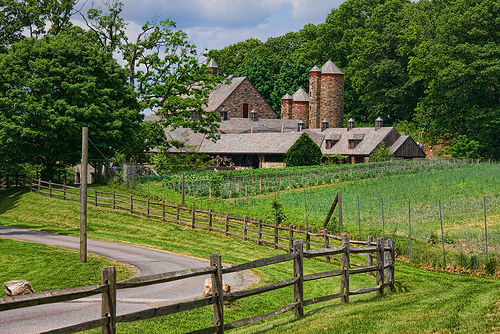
pixel 303 152
pixel 491 266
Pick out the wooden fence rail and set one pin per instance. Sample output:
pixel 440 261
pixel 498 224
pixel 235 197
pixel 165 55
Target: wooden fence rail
pixel 384 268
pixel 277 236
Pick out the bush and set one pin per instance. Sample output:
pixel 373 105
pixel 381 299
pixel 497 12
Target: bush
pixel 276 212
pixel 303 152
pixel 491 266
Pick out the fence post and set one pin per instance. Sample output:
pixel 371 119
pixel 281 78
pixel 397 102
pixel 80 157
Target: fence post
pixel 210 219
pixel 389 261
pixel 108 303
pixel 327 243
pixel 163 210
pixel 131 204
pixel 290 238
pixel 114 199
pixel 193 212
pixel 275 235
pixel 345 263
pixel 245 223
pixel 31 184
pixel 259 233
pixel 340 208
pixel 183 190
pixel 95 197
pixel 227 224
pixel 370 256
pixel 147 208
pixel 177 214
pixel 64 191
pixel 380 265
pixel 308 238
pixel 218 295
pixel 298 272
pixel 485 228
pixel 39 185
pixel 50 188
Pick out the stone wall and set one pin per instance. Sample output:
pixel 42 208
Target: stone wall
pixel 314 99
pixel 131 170
pixel 300 110
pixel 247 93
pixel 286 108
pixel 332 99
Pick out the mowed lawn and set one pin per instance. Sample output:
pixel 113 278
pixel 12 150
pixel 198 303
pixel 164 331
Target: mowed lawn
pixel 424 301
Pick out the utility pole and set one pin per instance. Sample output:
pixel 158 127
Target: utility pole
pixel 83 195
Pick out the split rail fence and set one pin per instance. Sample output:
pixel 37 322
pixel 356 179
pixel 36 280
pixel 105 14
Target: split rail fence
pixel 384 250
pixel 280 237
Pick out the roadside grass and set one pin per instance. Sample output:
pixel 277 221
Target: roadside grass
pixel 51 268
pixel 424 301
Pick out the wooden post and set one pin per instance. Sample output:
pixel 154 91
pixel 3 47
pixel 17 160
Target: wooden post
pixel 183 190
pixel 275 235
pixel 108 304
pixel 95 197
pixel 193 212
pixel 210 219
pixel 39 185
pixel 259 233
pixel 332 208
pixel 308 238
pixel 83 195
pixel 131 204
pixel 298 272
pixel 327 243
pixel 114 199
pixel 340 209
pixel 345 263
pixel 31 184
pixel 227 224
pixel 245 223
pixel 290 238
pixel 163 210
pixel 370 256
pixel 389 263
pixel 147 208
pixel 50 188
pixel 177 214
pixel 380 265
pixel 215 260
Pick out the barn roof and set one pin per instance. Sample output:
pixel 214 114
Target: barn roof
pixel 222 92
pixel 251 143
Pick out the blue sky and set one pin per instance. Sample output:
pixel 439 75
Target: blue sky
pixel 214 24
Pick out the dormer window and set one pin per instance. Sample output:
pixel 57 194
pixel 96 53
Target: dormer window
pixel 353 143
pixel 330 143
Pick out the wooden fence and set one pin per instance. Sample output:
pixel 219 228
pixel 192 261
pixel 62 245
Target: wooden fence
pixel 279 237
pixel 384 250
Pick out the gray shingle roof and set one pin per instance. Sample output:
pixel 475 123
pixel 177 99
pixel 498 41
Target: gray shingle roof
pixel 330 68
pixel 212 64
pixel 300 96
pixel 315 69
pixel 222 92
pixel 287 97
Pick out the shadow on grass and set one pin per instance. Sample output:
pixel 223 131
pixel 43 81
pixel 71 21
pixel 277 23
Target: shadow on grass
pixel 9 198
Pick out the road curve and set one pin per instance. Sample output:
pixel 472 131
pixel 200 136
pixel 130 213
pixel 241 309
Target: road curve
pixel 48 317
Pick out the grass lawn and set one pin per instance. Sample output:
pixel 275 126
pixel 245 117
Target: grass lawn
pixel 424 301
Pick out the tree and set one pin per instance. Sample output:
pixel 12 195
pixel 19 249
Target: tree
pixel 51 88
pixel 381 153
pixel 292 76
pixel 462 147
pixel 255 70
pixel 232 56
pixel 303 152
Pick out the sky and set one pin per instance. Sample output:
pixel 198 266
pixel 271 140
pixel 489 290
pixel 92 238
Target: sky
pixel 214 24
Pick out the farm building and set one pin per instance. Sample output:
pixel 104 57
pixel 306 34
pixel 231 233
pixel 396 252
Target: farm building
pixel 252 136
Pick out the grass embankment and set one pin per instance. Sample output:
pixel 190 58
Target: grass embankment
pixel 51 268
pixel 424 301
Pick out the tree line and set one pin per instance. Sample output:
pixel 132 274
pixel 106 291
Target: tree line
pixel 431 66
pixel 56 78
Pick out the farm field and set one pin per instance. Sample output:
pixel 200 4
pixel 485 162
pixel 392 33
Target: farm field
pixel 424 301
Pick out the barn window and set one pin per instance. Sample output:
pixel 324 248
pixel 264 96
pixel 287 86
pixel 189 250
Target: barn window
pixel 273 158
pixel 245 110
pixel 353 143
pixel 330 143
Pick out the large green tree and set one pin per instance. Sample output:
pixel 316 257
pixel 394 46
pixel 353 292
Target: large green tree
pixel 52 87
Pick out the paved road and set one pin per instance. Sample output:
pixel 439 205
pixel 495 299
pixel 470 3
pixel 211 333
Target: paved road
pixel 46 317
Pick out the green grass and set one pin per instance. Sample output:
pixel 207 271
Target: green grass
pixel 424 301
pixel 51 268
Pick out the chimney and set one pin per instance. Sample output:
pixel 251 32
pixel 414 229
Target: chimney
pixel 379 123
pixel 223 114
pixel 300 126
pixel 253 115
pixel 324 125
pixel 350 124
